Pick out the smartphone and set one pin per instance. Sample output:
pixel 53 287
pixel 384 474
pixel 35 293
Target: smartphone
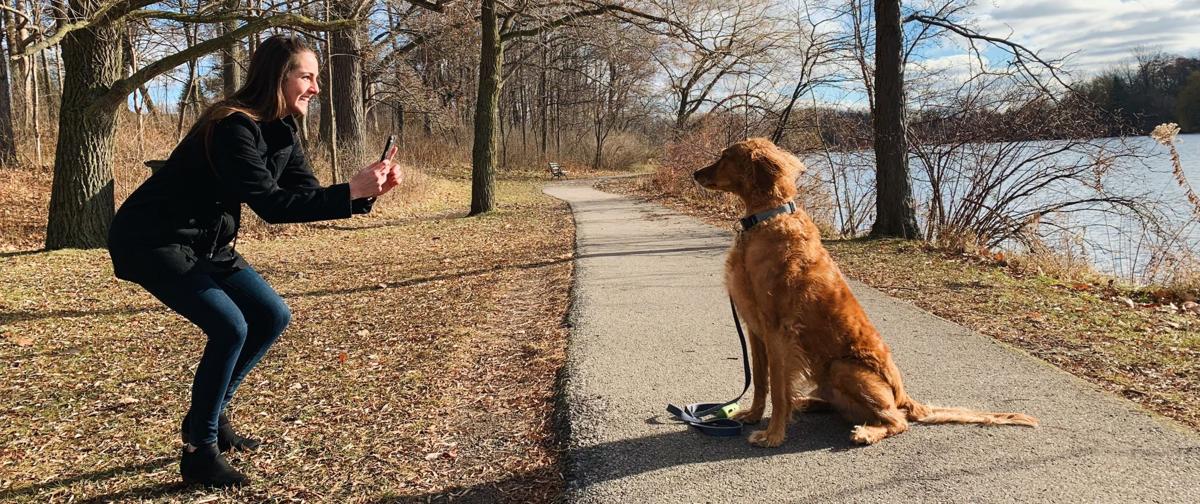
pixel 391 140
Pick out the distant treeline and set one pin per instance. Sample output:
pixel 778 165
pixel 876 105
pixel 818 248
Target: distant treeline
pixel 1120 101
pixel 1020 119
pixel 1159 89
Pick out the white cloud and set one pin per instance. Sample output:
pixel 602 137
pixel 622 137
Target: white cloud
pixel 946 72
pixel 1096 33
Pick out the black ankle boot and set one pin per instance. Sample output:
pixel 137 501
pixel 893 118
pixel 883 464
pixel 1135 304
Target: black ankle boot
pixel 204 465
pixel 227 439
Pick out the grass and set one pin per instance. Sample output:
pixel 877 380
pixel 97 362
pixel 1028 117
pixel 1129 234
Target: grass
pixel 420 363
pixel 1148 353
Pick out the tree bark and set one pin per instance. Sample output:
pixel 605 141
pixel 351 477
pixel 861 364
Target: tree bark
pixel 328 113
pixel 483 152
pixel 36 106
pixel 543 103
pixel 895 215
pixel 400 125
pixel 19 72
pixel 8 145
pixel 81 196
pixel 325 132
pixel 346 86
pixel 231 71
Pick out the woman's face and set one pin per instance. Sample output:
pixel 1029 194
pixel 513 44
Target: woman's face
pixel 300 84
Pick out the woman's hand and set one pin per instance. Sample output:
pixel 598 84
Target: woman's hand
pixel 394 178
pixel 376 178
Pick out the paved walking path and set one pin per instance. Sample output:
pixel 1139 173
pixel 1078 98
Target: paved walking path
pixel 652 325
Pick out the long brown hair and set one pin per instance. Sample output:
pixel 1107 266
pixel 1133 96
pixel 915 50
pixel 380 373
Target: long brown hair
pixel 261 96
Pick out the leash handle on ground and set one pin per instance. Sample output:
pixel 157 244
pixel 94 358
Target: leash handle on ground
pixel 720 425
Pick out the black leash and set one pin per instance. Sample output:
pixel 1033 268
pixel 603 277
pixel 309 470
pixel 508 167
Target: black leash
pixel 694 414
pixel 720 424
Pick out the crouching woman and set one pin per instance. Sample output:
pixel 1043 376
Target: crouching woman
pixel 176 235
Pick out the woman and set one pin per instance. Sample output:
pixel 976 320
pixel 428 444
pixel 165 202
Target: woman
pixel 176 235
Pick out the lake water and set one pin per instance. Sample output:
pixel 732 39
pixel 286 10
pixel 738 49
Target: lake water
pixel 1116 242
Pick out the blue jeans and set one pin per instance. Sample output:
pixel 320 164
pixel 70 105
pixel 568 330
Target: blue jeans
pixel 242 316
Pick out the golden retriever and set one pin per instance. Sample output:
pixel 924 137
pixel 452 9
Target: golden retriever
pixel 804 325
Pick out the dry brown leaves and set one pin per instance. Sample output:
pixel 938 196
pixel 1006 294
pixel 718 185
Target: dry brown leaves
pixel 1149 354
pixel 23 200
pixel 420 364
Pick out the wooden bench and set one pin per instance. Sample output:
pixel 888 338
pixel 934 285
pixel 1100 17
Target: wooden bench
pixel 556 171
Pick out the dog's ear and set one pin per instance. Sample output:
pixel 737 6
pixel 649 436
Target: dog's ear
pixel 774 170
pixel 776 161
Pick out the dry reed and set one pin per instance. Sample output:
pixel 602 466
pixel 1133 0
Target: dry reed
pixel 1165 134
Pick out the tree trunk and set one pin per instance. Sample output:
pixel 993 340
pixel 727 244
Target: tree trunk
pixel 543 103
pixel 346 88
pixel 231 72
pixel 131 65
pixel 325 133
pixel 50 90
pixel 81 197
pixel 483 152
pixel 19 72
pixel 895 215
pixel 183 99
pixel 328 113
pixel 400 126
pixel 37 112
pixel 8 145
pixel 503 138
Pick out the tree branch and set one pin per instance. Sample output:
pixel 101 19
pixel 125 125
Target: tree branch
pixel 114 9
pixel 121 88
pixel 438 6
pixel 1019 52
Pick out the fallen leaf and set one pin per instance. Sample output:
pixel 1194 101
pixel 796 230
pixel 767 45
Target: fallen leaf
pixel 342 358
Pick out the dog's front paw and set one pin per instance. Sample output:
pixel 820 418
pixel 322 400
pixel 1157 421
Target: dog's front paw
pixel 748 416
pixel 866 435
pixel 765 439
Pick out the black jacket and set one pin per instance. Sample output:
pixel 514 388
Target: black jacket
pixel 187 214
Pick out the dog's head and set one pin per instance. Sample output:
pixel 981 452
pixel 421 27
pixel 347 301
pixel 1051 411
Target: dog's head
pixel 753 169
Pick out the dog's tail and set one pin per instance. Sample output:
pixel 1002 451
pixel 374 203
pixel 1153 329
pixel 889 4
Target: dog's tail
pixel 918 412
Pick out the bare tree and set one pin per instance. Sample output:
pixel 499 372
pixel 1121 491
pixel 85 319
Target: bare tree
pixel 8 146
pixel 708 43
pixel 502 24
pixel 81 202
pixel 895 215
pixel 815 45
